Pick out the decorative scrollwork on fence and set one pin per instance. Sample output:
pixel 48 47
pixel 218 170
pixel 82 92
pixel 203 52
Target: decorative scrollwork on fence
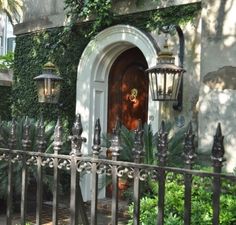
pixel 46 161
pixel 101 168
pixel 109 170
pixel 32 160
pixel 124 171
pixel 84 167
pixel 64 164
pixel 144 174
pixel 3 157
pixel 16 158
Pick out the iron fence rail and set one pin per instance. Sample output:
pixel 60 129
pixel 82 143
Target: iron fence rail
pixel 76 163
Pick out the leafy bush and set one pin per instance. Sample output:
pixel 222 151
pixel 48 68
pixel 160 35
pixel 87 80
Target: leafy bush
pixel 5 127
pixel 127 140
pixel 7 61
pixel 175 144
pixel 201 202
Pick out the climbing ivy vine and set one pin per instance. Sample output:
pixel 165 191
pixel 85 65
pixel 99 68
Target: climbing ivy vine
pixel 98 11
pixel 101 15
pixel 64 46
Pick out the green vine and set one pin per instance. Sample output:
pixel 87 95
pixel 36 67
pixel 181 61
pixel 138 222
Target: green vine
pixel 99 13
pixel 64 46
pixel 174 15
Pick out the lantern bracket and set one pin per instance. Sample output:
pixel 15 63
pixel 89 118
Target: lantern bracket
pixel 179 104
pixel 170 29
pixel 165 77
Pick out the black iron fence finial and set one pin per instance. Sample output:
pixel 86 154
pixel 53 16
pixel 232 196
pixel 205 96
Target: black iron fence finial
pixel 97 138
pixel 218 150
pixel 26 142
pixel 189 148
pixel 57 143
pixel 162 144
pixel 40 138
pixel 75 138
pixel 12 137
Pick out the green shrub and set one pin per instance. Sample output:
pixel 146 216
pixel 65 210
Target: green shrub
pixel 49 136
pixel 201 202
pixel 7 61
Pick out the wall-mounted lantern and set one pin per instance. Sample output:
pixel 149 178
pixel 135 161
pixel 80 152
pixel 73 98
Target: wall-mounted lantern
pixel 165 78
pixel 48 84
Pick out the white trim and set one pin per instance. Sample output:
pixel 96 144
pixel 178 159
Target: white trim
pixel 93 71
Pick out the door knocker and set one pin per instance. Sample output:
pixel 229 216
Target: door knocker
pixel 133 95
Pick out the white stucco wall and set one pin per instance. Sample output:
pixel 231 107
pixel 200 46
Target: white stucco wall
pixel 218 45
pixel 218 35
pixel 216 107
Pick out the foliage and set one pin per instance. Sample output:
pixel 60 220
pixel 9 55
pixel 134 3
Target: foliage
pixel 12 8
pixel 201 202
pixel 101 15
pixel 6 61
pixel 97 10
pixel 64 46
pixel 127 139
pixel 174 15
pixel 5 102
pixel 175 144
pixel 31 53
pixel 5 127
pixel 149 144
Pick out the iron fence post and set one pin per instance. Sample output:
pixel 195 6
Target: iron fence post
pixel 217 159
pixel 138 156
pixel 162 147
pixel 26 144
pixel 57 146
pixel 115 149
pixel 40 148
pixel 12 145
pixel 76 199
pixel 96 150
pixel 189 156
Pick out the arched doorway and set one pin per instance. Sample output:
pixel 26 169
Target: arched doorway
pixel 93 75
pixel 128 90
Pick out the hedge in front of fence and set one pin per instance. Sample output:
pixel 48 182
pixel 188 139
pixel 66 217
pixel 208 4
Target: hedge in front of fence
pixel 201 202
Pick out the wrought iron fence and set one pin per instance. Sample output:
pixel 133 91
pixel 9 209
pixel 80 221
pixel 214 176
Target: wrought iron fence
pixel 76 163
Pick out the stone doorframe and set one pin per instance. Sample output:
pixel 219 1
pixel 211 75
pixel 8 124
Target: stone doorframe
pixel 93 71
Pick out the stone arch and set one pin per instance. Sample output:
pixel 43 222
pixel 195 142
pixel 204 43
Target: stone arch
pixel 93 71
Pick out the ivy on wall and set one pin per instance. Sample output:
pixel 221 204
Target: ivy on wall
pixel 5 103
pixel 100 14
pixel 64 46
pixel 31 53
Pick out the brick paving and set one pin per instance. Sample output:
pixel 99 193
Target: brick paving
pixel 104 214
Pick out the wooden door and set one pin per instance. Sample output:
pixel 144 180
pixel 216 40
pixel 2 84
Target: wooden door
pixel 128 89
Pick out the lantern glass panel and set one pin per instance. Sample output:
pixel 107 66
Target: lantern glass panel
pixel 164 85
pixel 48 90
pixel 40 88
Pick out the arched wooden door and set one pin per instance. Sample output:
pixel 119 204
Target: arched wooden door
pixel 128 89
